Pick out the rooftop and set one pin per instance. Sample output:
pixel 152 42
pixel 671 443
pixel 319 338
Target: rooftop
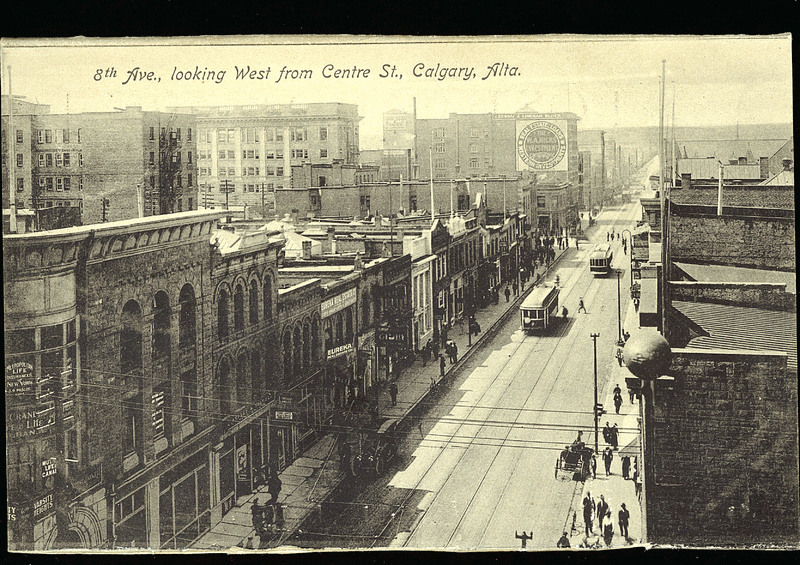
pixel 741 328
pixel 725 273
pixel 751 196
pixel 728 149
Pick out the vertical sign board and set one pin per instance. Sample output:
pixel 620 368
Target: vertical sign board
pixel 242 473
pixel 542 145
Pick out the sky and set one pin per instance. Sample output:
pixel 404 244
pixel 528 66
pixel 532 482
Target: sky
pixel 608 81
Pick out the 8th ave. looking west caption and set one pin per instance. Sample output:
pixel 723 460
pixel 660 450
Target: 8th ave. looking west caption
pixel 435 71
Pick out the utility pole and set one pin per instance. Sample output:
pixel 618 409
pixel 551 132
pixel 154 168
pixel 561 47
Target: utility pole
pixel 619 310
pixel 597 407
pixel 433 213
pixel 663 202
pixel 106 203
pixel 602 167
pixel 225 185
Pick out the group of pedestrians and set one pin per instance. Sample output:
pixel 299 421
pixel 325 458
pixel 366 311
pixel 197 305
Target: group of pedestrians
pixel 603 513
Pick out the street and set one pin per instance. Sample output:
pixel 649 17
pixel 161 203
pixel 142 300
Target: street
pixel 477 467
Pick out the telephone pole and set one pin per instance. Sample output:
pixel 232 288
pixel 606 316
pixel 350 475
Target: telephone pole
pixel 597 407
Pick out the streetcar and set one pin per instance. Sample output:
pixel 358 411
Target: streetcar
pixel 600 259
pixel 539 309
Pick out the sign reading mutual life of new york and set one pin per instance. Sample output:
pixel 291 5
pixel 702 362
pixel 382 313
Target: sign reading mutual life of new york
pixel 541 145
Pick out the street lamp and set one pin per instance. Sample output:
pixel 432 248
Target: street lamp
pixel 619 312
pixel 597 407
pixel 630 244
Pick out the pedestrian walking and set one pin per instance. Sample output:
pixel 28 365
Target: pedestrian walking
pixel 441 364
pixel 256 513
pixel 624 519
pixel 507 293
pixel 576 242
pixel 631 394
pixel 277 524
pixel 581 306
pixel 615 436
pixel 608 457
pixel 344 455
pixel 588 511
pixel 617 401
pixel 393 393
pixel 607 434
pixel 608 531
pixel 274 487
pixel 608 236
pixel 594 466
pixel 563 541
pixel 602 510
pixel 453 352
pixel 564 312
pixel 637 484
pixel 619 357
pixel 515 286
pixel 626 467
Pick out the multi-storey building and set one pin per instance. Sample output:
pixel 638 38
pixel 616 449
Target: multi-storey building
pixel 245 150
pixel 107 165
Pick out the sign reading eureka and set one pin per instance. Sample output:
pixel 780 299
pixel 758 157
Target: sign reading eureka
pixel 541 145
pixel 340 351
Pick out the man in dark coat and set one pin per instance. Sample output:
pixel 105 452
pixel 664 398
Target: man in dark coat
pixel 507 292
pixel 615 436
pixel 393 393
pixel 588 509
pixel 563 541
pixel 626 467
pixel 441 364
pixel 608 457
pixel 624 518
pixel 602 510
pixel 274 487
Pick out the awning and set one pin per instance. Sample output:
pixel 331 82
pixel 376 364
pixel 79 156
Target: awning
pixel 633 449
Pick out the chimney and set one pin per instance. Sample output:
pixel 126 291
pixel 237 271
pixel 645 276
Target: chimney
pixel 686 180
pixel 307 249
pixel 12 218
pixel 332 239
pixel 787 164
pixel 742 160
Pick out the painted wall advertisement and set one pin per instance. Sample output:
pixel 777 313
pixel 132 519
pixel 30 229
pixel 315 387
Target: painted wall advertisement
pixel 542 145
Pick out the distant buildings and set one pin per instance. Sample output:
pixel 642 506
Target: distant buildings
pixel 99 166
pixel 247 152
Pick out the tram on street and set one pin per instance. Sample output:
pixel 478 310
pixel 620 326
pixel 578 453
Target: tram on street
pixel 539 309
pixel 600 259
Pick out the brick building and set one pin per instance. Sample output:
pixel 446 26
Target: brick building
pixel 244 150
pixel 109 165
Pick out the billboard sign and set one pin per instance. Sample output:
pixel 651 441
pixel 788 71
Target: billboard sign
pixel 541 145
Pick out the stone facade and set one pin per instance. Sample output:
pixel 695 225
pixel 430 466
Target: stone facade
pixel 770 296
pixel 724 453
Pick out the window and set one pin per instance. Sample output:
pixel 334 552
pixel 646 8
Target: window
pixel 279 154
pixel 238 308
pixel 152 158
pixel 222 314
pixel 161 324
pixel 48 157
pixel 267 294
pixel 540 201
pixel 231 172
pixel 189 157
pixel 299 134
pixel 19 136
pixel 222 153
pixel 59 159
pixel 80 159
pixel 20 160
pixel 67 183
pixel 189 134
pixel 253 303
pixel 279 135
pixel 49 183
pixel 323 133
pixel 65 135
pixel 130 340
pixel 66 160
pixel 269 134
pixel 279 171
pixel 323 153
pixel 178 133
pixel 189 179
pixel 270 154
pixel 440 148
pixel 132 411
pixel 473 163
pixel 40 136
pixel 189 396
pixel 221 136
pixel 231 154
pixel 160 402
pixel 48 136
pixel 152 133
pixel 80 183
pixel 20 185
pixel 473 148
pixel 41 159
pixel 79 135
pixel 438 133
pixel 57 136
pixel 178 180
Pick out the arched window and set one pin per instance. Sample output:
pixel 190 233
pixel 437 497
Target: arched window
pixel 315 338
pixel 287 356
pixel 298 361
pixel 328 333
pixel 161 322
pixel 267 297
pixel 253 306
pixel 187 325
pixel 238 308
pixel 130 338
pixel 348 325
pixel 222 314
pixel 243 392
pixel 365 310
pixel 255 376
pixel 306 346
pixel 224 387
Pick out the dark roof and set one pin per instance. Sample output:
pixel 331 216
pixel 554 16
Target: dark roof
pixel 769 197
pixel 727 149
pixel 741 328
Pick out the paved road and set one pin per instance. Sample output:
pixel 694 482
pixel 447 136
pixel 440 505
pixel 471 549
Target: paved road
pixel 486 469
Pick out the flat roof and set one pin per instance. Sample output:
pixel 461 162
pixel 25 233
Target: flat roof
pixel 537 296
pixel 742 328
pixel 727 273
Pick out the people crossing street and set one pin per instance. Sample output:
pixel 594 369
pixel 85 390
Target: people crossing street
pixel 588 512
pixel 608 457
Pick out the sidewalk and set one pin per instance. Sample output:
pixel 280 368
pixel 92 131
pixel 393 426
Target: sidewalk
pixel 614 488
pixel 310 479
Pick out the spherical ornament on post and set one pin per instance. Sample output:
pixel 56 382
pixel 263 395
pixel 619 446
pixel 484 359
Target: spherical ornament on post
pixel 647 354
